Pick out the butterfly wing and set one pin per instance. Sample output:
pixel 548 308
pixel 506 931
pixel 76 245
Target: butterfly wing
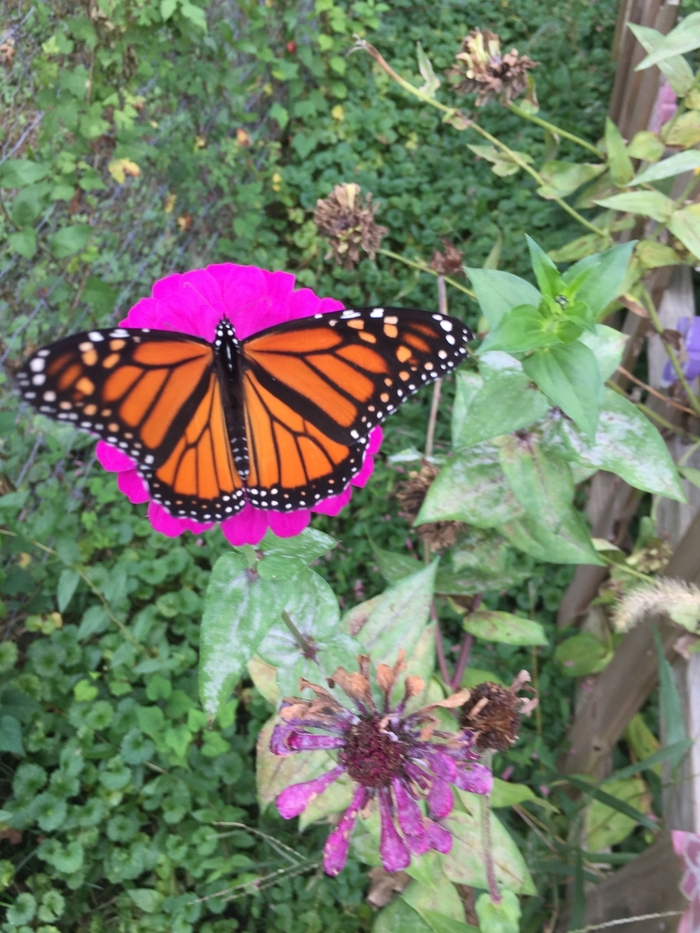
pixel 156 396
pixel 314 388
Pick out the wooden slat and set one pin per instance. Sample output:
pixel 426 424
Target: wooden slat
pixel 625 684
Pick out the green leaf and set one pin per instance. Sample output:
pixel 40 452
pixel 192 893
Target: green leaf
pixel 605 825
pixel 526 328
pixel 606 281
pixel 307 546
pixel 280 114
pixel 465 863
pixel 570 377
pixel 275 772
pixel 239 608
pixel 627 444
pixel 584 246
pixel 394 567
pixel 685 224
pixel 194 14
pixel 621 170
pixel 669 699
pixel 685 37
pixel 484 561
pixel 685 131
pixel 608 346
pixel 398 617
pixel 583 654
pixel 671 753
pixel 67 583
pixel 100 296
pixel 430 79
pixel 571 544
pixel 471 488
pixel 167 8
pixel 652 204
pixel 148 899
pixel 11 736
pixel 669 168
pixel 542 481
pixel 653 255
pixel 400 916
pixel 69 240
pixel 503 163
pixel 498 292
pixel 505 402
pixel 563 178
pixel 503 627
pixel 505 794
pixel 23 242
pixel 16 173
pixel 498 918
pixel 646 145
pixel 546 272
pixel 615 803
pixel 676 69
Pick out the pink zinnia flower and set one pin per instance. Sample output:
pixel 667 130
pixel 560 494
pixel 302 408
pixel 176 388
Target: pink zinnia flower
pixel 391 756
pixel 687 848
pixel 194 303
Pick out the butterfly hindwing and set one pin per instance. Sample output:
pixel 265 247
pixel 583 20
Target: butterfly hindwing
pixel 155 396
pixel 314 388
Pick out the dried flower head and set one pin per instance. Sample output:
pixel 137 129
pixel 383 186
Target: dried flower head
pixel 449 262
pixel 494 712
pixel 482 69
pixel 347 220
pixel 411 494
pixel 393 757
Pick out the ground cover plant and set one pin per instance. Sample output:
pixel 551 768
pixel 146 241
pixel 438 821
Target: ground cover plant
pixel 152 768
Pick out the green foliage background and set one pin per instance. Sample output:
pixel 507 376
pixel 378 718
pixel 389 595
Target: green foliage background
pixel 115 780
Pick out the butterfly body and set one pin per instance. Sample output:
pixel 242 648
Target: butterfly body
pixel 281 419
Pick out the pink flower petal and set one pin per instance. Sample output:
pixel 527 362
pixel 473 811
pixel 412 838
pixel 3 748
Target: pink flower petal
pixel 365 473
pixel 295 799
pixel 288 524
pixel 475 778
pixel 171 526
pixel 133 487
pixel 112 459
pixel 440 798
pixel 439 837
pixel 376 436
pixel 245 527
pixel 335 851
pixel 395 855
pixel 333 504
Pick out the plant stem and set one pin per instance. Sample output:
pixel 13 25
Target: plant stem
pixel 664 398
pixel 306 647
pixel 485 802
pixel 462 661
pixel 451 112
pixel 565 134
pixel 430 434
pixel 652 415
pixel 424 268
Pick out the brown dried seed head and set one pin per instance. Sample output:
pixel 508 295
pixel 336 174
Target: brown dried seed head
pixel 481 68
pixel 411 494
pixel 449 262
pixel 492 713
pixel 347 220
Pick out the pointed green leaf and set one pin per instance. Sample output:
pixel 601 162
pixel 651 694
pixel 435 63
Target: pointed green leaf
pixel 606 825
pixel 685 131
pixel 484 560
pixel 647 146
pixel 583 654
pixel 505 402
pixel 503 917
pixel 394 567
pixel 607 279
pixel 67 584
pixel 498 292
pixel 239 608
pixel 685 37
pixel 471 488
pixel 431 81
pixel 563 178
pixel 621 170
pixel 11 736
pixel 652 204
pixel 398 617
pixel 685 224
pixel 546 272
pixel 676 69
pixel 570 545
pixel 570 378
pixel 504 628
pixel 541 481
pixel 608 346
pixel 628 444
pixel 526 328
pixel 669 168
pixel 669 698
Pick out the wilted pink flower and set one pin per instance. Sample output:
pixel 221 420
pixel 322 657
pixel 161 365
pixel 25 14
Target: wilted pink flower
pixel 392 756
pixel 194 303
pixel 687 848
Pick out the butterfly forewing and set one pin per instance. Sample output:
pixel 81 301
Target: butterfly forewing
pixel 155 396
pixel 314 389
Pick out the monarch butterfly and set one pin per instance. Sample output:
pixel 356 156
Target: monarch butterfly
pixel 281 419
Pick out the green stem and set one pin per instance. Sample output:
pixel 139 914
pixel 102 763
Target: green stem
pixel 451 112
pixel 552 128
pixel 425 268
pixel 306 647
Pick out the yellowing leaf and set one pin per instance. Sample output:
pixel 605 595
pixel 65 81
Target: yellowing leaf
pixel 169 203
pixel 120 168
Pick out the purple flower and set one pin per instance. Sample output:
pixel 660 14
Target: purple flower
pixel 687 848
pixel 689 329
pixel 194 303
pixel 395 757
